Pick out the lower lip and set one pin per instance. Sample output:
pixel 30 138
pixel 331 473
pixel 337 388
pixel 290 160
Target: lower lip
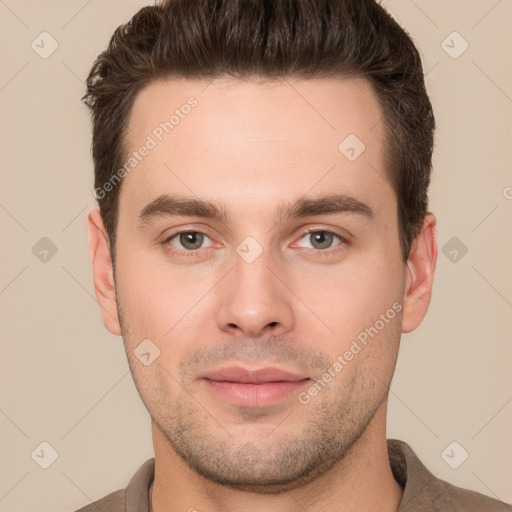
pixel 255 395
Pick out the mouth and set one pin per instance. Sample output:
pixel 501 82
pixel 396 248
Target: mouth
pixel 253 388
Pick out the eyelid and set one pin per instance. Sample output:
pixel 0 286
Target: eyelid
pixel 168 238
pixel 344 240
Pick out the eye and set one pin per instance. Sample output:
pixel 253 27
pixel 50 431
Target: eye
pixel 189 240
pixel 322 239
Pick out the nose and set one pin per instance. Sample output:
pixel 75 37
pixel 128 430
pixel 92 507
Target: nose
pixel 254 300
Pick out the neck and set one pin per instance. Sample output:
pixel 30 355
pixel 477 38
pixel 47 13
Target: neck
pixel 362 480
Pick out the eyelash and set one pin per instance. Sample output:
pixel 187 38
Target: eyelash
pixel 327 252
pixel 194 253
pixel 183 252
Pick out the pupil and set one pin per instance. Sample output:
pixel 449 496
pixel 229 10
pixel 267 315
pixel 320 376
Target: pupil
pixel 322 238
pixel 195 239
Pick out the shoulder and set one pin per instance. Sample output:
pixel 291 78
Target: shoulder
pixel 423 491
pixel 135 498
pixel 113 502
pixel 457 499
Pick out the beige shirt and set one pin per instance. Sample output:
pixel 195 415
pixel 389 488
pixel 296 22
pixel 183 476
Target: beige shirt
pixel 423 492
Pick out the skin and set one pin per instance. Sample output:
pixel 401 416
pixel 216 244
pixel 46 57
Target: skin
pixel 249 147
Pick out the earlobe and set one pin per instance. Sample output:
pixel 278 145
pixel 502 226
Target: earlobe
pixel 420 275
pixel 103 277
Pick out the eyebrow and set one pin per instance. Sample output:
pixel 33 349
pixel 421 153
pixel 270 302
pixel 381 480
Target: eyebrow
pixel 172 206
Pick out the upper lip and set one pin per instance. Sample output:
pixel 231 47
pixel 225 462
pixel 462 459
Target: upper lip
pixel 243 375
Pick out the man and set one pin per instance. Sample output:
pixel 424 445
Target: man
pixel 261 243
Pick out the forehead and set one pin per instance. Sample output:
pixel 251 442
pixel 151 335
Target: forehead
pixel 240 141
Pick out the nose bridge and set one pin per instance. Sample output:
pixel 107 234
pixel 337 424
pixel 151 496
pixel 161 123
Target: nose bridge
pixel 253 298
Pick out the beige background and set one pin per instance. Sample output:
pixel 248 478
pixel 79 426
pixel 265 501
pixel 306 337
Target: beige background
pixel 65 379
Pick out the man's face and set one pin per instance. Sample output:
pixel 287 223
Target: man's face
pixel 254 289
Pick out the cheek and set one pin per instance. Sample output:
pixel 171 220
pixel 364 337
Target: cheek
pixel 350 296
pixel 159 300
pixel 142 296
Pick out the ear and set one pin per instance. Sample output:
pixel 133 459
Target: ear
pixel 103 275
pixel 420 275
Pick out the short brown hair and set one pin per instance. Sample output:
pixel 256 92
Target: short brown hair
pixel 269 39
